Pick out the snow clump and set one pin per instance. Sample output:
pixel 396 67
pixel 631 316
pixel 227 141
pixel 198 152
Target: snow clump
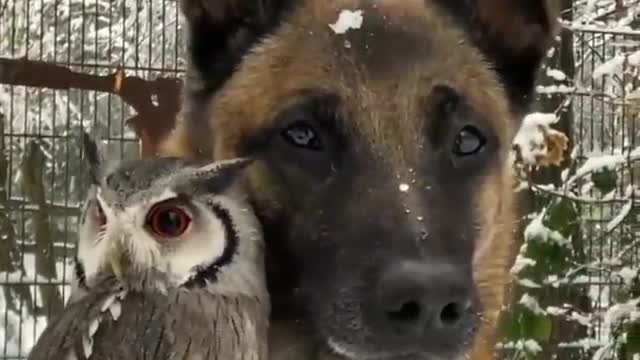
pixel 347 20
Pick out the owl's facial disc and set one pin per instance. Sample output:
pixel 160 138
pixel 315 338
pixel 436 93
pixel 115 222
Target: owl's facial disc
pixel 168 223
pixel 116 258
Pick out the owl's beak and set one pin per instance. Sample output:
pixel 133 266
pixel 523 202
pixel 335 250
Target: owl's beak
pixel 116 259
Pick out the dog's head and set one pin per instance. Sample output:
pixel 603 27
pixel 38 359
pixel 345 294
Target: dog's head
pixel 381 130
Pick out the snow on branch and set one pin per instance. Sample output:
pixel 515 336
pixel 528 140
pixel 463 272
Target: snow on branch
pixel 537 144
pixel 156 102
pixel 603 162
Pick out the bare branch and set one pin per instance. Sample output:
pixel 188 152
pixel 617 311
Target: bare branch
pixel 32 166
pixel 156 102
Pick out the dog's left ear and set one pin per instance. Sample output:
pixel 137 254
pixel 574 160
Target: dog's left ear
pixel 515 35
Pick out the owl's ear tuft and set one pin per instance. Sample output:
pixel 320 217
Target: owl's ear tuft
pixel 215 177
pixel 92 157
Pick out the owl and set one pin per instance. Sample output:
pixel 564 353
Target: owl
pixel 170 265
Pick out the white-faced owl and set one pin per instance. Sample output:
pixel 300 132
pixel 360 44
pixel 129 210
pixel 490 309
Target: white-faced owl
pixel 170 265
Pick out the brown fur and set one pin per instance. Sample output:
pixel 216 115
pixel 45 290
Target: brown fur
pixel 384 74
pixel 504 20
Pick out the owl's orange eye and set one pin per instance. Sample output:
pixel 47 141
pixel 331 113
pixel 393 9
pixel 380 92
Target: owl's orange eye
pixel 101 218
pixel 168 221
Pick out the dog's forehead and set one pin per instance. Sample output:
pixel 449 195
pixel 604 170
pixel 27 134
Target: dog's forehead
pixel 388 45
pixel 380 38
pixel 382 67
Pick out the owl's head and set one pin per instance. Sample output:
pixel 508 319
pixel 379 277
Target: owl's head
pixel 184 222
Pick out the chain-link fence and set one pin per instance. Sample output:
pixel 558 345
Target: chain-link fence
pixel 599 271
pixel 108 66
pixel 111 66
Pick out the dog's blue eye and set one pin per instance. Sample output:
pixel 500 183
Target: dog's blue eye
pixel 469 141
pixel 302 135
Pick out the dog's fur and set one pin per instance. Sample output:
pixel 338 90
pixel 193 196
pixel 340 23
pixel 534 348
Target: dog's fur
pixel 386 102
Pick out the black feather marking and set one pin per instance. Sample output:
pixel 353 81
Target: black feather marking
pixel 158 343
pixel 80 274
pixel 210 272
pixel 92 156
pixel 187 351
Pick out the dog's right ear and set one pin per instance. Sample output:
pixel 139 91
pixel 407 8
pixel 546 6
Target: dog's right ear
pixel 221 32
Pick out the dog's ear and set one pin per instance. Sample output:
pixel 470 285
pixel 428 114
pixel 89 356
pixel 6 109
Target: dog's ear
pixel 515 35
pixel 220 32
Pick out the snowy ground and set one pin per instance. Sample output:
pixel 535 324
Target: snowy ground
pixel 18 332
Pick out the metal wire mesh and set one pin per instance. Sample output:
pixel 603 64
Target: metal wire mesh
pixel 42 179
pixel 605 123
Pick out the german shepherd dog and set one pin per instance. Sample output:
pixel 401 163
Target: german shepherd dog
pixel 381 172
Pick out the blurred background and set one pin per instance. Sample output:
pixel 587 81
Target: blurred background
pixel 114 67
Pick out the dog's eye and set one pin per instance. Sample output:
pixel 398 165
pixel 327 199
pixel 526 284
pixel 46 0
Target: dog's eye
pixel 469 141
pixel 303 135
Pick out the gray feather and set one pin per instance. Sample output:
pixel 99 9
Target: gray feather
pixel 179 325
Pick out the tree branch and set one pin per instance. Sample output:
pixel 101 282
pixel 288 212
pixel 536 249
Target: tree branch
pixel 156 102
pixel 32 167
pixel 9 251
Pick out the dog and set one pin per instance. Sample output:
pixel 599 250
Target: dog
pixel 380 131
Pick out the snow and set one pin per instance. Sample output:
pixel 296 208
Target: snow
pixel 347 20
pixel 528 283
pixel 583 320
pixel 628 274
pixel 7 278
pixel 604 352
pixel 620 312
pixel 532 346
pixel 555 89
pixel 590 7
pixel 521 263
pixel 538 231
pixel 530 138
pixel 605 162
pixel 634 59
pixel 584 343
pixel 532 304
pixel 556 311
pixel 602 162
pixel 403 187
pixel 620 217
pixel 20 330
pixel 611 67
pixel 556 74
pixel 529 346
pixel 552 280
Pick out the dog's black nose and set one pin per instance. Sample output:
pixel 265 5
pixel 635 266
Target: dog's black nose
pixel 424 299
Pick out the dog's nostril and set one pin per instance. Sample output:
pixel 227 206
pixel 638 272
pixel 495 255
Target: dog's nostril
pixel 423 299
pixel 408 311
pixel 451 314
